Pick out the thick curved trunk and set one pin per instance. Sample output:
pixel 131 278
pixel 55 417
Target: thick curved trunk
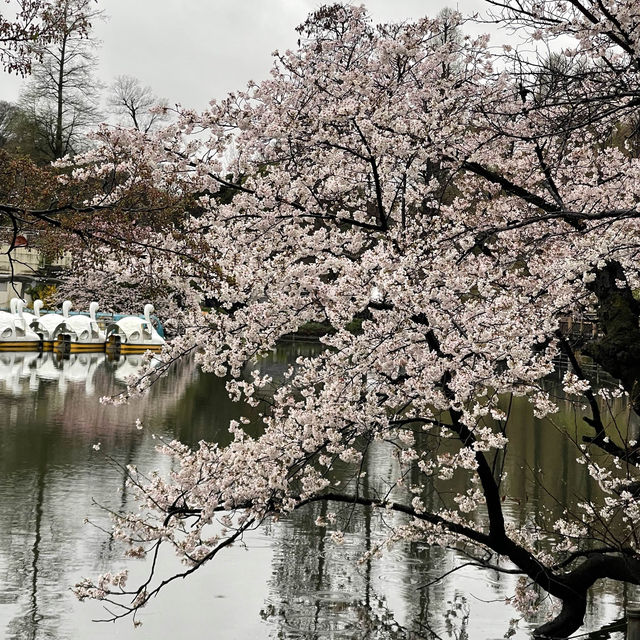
pixel 625 568
pixel 570 619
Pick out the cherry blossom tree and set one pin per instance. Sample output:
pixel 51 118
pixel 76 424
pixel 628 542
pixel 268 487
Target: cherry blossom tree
pixel 461 205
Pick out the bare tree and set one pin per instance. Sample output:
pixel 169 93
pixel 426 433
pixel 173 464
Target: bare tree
pixel 131 101
pixel 61 99
pixel 8 113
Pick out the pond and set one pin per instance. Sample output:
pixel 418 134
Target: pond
pixel 287 579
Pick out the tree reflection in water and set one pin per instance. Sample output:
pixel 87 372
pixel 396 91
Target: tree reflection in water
pixel 320 590
pixel 50 417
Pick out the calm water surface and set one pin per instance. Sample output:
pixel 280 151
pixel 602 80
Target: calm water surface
pixel 287 580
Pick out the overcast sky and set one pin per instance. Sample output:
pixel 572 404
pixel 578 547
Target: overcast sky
pixel 190 51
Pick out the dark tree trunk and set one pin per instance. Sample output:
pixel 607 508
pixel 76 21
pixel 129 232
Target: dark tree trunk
pixel 569 619
pixel 621 567
pixel 618 351
pixel 58 150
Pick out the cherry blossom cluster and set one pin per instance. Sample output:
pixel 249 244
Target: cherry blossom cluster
pixel 402 187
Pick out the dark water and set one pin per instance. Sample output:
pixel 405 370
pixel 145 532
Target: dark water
pixel 288 580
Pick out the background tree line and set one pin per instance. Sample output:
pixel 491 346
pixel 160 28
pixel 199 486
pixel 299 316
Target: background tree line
pixel 61 100
pixel 52 45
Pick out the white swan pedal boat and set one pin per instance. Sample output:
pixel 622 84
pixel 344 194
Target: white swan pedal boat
pixel 133 334
pixel 80 333
pixel 15 334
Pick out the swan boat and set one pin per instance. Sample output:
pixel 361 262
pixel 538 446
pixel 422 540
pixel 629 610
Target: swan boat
pixel 80 333
pixel 133 334
pixel 29 317
pixel 15 334
pixel 46 326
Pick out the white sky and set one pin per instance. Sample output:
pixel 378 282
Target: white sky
pixel 190 51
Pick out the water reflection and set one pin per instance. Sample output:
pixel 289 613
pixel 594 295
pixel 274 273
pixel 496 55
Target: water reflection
pixel 294 582
pixel 23 372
